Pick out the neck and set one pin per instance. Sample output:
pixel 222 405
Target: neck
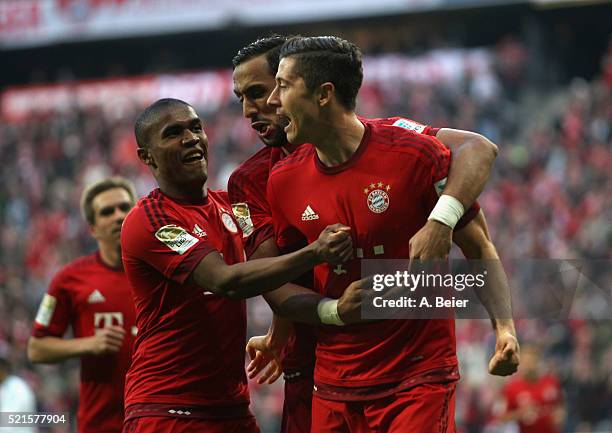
pixel 190 193
pixel 289 148
pixel 110 253
pixel 341 140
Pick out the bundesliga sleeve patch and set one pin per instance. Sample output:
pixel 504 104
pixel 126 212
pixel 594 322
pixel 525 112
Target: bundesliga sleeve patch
pixel 243 216
pixel 409 125
pixel 176 238
pixel 46 310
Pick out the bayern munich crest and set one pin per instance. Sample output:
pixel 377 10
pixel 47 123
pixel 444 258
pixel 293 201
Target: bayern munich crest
pixel 377 197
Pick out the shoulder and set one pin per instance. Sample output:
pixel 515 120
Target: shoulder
pixel 151 212
pixel 293 161
pixel 219 198
pixel 254 166
pixel 75 268
pixel 402 140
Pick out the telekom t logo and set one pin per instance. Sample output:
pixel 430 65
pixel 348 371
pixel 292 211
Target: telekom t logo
pixel 102 320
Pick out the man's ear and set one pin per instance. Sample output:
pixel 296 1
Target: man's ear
pixel 145 156
pixel 326 93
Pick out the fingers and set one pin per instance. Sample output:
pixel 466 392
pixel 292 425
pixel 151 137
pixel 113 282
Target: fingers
pixel 257 365
pixel 271 374
pixel 338 227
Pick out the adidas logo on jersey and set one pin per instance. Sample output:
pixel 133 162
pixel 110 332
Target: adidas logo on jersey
pixel 96 297
pixel 309 214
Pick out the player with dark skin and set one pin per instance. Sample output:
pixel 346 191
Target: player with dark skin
pixel 176 151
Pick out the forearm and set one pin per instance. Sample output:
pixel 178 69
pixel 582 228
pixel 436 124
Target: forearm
pixel 296 303
pixel 55 349
pixel 472 159
pixel 252 278
pixel 495 293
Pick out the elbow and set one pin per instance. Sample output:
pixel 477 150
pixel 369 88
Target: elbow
pixel 488 147
pixel 34 354
pixel 226 287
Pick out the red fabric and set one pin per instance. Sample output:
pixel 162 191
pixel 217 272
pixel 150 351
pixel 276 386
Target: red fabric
pixel 403 166
pixel 102 377
pixel 190 345
pixel 427 408
pixel 181 425
pixel 538 398
pixel 297 408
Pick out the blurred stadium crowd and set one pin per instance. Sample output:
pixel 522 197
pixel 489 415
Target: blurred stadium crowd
pixel 550 197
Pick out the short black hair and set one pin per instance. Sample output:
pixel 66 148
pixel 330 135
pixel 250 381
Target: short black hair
pixel 150 115
pixel 269 46
pixel 95 189
pixel 321 59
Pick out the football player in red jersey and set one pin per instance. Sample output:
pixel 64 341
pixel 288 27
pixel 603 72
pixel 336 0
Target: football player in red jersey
pixel 254 68
pixel 92 295
pixel 388 376
pixel 534 400
pixel 183 256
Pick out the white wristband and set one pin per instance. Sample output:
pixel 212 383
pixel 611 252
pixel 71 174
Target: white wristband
pixel 448 211
pixel 328 312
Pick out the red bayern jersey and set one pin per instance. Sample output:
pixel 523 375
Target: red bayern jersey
pixel 537 400
pixel 190 345
pixel 88 295
pixel 385 193
pixel 247 193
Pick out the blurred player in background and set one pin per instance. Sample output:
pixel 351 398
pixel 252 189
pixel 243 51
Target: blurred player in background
pixel 182 251
pixel 92 295
pixel 387 376
pixel 534 399
pixel 254 68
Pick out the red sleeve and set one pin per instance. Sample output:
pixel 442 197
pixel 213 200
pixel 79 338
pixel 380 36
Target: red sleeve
pixel 250 207
pixel 287 236
pixel 55 310
pixel 170 249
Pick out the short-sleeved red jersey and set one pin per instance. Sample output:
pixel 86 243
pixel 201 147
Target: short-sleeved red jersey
pixel 88 295
pixel 190 345
pixel 247 193
pixel 539 399
pixel 385 193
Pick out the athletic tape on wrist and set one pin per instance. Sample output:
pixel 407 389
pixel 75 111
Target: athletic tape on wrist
pixel 448 211
pixel 327 309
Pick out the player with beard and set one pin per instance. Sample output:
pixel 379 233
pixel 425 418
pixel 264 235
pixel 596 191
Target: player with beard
pixel 386 376
pixel 254 68
pixel 183 256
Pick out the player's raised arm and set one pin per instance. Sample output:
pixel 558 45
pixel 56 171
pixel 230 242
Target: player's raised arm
pixel 472 160
pixel 243 280
pixel 475 243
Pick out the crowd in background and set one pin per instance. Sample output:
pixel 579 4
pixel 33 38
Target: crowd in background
pixel 550 196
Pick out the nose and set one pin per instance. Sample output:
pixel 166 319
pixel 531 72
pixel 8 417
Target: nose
pixel 190 138
pixel 273 99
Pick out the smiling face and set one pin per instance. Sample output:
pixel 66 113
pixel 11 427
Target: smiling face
pixel 293 100
pixel 253 83
pixel 109 210
pixel 177 149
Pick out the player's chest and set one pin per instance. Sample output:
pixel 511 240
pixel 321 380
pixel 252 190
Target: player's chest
pixel 104 301
pixel 376 205
pixel 217 226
